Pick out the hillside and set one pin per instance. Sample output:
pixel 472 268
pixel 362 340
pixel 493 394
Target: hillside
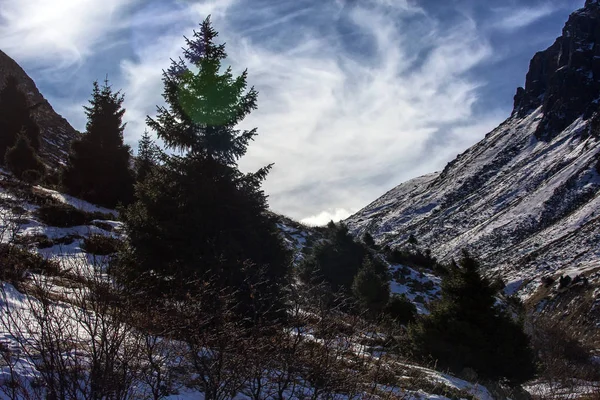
pixel 56 133
pixel 60 303
pixel 526 198
pixel 71 236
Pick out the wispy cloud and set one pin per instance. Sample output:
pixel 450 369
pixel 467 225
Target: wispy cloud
pixel 356 96
pixel 512 19
pixel 59 33
pixel 341 126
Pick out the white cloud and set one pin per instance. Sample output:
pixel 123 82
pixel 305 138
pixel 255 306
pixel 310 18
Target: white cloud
pixel 324 217
pixel 341 124
pixel 57 33
pixel 513 19
pixel 341 128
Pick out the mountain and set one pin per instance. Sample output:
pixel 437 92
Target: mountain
pixel 56 133
pixel 525 199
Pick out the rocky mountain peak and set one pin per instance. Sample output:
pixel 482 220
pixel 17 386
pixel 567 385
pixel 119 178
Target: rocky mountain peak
pixel 56 133
pixel 565 78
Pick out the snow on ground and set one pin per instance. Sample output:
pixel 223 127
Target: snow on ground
pixel 25 368
pixel 419 287
pixel 556 390
pixel 513 286
pixel 77 203
pixel 71 256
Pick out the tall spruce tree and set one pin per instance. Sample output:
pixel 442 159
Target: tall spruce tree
pixel 98 167
pixel 198 215
pixel 15 117
pixel 466 329
pixel 147 157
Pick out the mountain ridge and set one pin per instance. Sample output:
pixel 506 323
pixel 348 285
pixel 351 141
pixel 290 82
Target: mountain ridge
pixel 526 198
pixel 56 132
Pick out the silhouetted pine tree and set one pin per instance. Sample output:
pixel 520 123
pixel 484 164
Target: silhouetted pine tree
pixel 198 215
pixel 369 241
pixel 401 309
pixel 147 157
pixel 370 289
pixel 15 117
pixel 337 259
pixel 466 329
pixel 98 167
pixel 21 159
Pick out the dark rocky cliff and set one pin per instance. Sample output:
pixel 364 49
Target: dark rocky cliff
pixel 565 78
pixel 56 133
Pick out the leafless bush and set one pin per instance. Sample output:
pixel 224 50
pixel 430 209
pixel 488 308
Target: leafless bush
pixel 77 338
pixel 566 368
pixel 563 356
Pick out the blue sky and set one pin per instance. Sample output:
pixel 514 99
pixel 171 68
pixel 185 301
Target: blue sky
pixel 356 96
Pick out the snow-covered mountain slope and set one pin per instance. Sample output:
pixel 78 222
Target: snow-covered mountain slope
pixel 526 199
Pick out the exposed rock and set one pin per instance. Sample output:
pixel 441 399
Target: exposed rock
pixel 56 133
pixel 565 78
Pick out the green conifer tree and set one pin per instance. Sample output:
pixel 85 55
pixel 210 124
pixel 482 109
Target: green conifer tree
pixel 370 289
pixel 369 241
pixel 147 156
pixel 198 215
pixel 98 167
pixel 15 116
pixel 466 329
pixel 337 259
pixel 401 309
pixel 21 159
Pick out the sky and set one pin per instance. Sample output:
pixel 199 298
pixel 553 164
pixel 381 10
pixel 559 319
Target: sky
pixel 355 96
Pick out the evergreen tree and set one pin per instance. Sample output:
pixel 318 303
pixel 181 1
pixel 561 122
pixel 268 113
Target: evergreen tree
pixel 147 156
pixel 98 167
pixel 204 107
pixel 337 259
pixel 15 117
pixel 401 309
pixel 412 240
pixel 467 330
pixel 370 289
pixel 21 159
pixel 369 241
pixel 198 215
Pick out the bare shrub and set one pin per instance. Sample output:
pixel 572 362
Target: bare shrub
pixel 76 339
pixel 565 361
pixel 100 245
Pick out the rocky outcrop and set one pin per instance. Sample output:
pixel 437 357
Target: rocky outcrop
pixel 565 78
pixel 56 133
